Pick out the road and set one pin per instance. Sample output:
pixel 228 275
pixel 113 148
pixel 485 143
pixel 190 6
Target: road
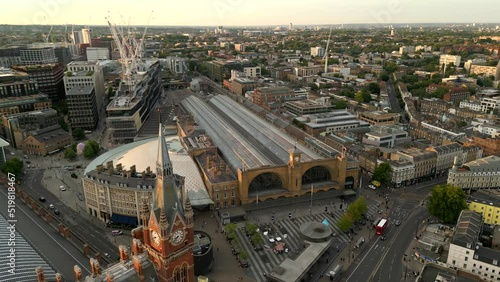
pixel 393 99
pixel 58 252
pixel 93 234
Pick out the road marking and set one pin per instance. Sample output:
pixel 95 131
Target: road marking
pixel 354 271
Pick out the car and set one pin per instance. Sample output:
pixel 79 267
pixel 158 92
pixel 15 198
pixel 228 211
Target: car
pixel 258 247
pixel 372 187
pixel 56 211
pixel 51 206
pixel 244 263
pixel 12 153
pixel 397 223
pixel 383 237
pixel 28 162
pixel 74 175
pixel 42 199
pixel 116 232
pixel 62 188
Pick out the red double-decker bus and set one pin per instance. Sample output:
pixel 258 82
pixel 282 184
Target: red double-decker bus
pixel 381 226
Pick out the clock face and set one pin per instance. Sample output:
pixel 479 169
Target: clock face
pixel 155 237
pixel 178 236
pixel 297 159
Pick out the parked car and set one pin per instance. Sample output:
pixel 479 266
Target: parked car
pixel 62 188
pixel 372 187
pixel 116 232
pixel 397 223
pixel 56 211
pixel 51 206
pixel 42 199
pixel 244 263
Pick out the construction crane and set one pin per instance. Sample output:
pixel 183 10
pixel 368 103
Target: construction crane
pixel 326 51
pixel 46 36
pixel 129 47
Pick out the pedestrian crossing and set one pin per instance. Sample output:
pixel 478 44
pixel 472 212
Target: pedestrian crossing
pixel 263 261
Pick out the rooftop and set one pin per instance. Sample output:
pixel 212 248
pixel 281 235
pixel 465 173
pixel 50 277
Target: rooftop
pixel 142 154
pixel 488 197
pixel 51 134
pixel 87 89
pixel 246 140
pixel 26 258
pixel 468 229
pixel 490 163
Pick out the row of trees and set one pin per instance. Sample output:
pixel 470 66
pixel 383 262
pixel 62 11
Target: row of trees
pixel 353 214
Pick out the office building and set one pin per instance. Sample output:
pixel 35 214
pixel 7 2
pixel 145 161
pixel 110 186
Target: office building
pixel 82 107
pixel 14 105
pixel 252 72
pixel 86 36
pixel 449 59
pixel 309 107
pixel 16 127
pixel 330 122
pixel 97 54
pixel 219 70
pixel 177 65
pixel 81 73
pixel 10 56
pixel 467 253
pixel 379 118
pixel 386 136
pixel 38 56
pixel 49 78
pixel 317 51
pixel 133 102
pixel 242 85
pixel 482 173
pixel 16 83
pixel 487 203
pixel 265 96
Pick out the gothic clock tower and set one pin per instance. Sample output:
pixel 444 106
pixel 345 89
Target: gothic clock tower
pixel 168 226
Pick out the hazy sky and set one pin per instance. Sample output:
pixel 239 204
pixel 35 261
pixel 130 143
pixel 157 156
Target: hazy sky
pixel 248 12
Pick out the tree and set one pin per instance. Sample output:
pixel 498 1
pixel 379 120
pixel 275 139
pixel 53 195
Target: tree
pixel 357 208
pixel 63 124
pixel 382 173
pixel 298 123
pixel 78 134
pixel 345 222
pixel 230 228
pixel 374 88
pixel 14 166
pixel 390 67
pixel 69 153
pixel 91 149
pixel 447 202
pixel 340 104
pixel 384 76
pixel 313 86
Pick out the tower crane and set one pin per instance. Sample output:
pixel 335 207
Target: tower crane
pixel 326 51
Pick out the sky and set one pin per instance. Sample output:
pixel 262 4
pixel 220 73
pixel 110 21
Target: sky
pixel 248 12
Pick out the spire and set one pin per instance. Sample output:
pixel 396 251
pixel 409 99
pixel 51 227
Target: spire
pixel 145 212
pixel 163 159
pixel 188 204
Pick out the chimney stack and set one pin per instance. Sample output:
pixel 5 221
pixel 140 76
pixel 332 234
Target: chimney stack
pixel 39 274
pixel 132 169
pixel 78 273
pixel 129 173
pixel 119 167
pixel 143 174
pixel 109 164
pixel 99 168
pixel 148 170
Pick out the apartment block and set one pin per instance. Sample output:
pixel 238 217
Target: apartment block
pixel 82 107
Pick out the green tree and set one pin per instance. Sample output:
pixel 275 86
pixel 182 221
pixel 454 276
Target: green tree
pixel 250 228
pixel 447 202
pixel 382 173
pixel 345 222
pixel 440 91
pixel 91 149
pixel 78 134
pixel 340 104
pixel 63 124
pixel 14 166
pixel 230 228
pixel 69 153
pixel 390 67
pixel 298 123
pixel 257 239
pixel 359 97
pixel 313 86
pixel 384 76
pixel 374 88
pixel 357 208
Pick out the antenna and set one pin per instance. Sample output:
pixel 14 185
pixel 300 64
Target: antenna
pixel 326 51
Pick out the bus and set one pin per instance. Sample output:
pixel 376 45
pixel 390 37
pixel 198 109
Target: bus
pixel 381 226
pixel 375 223
pixel 335 273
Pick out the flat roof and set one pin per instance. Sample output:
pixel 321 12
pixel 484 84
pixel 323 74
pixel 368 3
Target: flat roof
pixel 293 270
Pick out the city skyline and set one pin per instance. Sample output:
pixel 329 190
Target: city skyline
pixel 256 13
